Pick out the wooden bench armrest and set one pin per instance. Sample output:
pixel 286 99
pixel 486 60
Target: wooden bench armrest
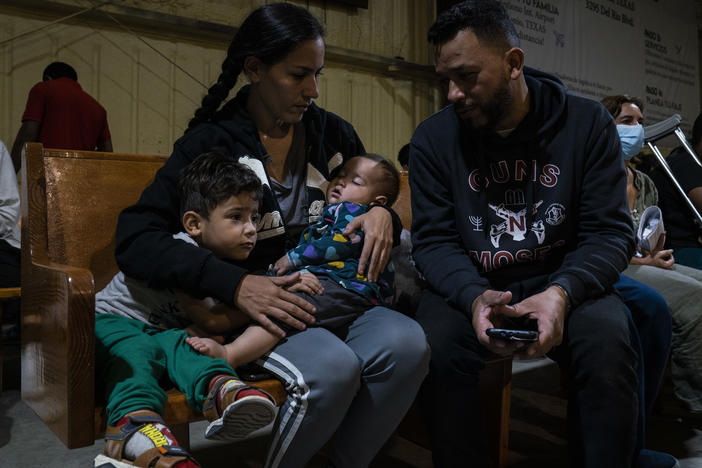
pixel 58 349
pixel 10 293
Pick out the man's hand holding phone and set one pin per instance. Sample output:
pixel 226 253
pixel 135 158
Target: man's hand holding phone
pixel 491 310
pixel 548 308
pixel 488 311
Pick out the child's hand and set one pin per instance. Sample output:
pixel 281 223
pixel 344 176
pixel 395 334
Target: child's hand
pixel 282 266
pixel 308 283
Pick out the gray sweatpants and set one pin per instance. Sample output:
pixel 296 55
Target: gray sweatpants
pixel 681 288
pixel 351 386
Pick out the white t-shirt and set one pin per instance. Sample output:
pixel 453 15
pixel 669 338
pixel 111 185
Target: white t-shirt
pixel 128 297
pixel 9 200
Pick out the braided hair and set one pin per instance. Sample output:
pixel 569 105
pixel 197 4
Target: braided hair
pixel 269 33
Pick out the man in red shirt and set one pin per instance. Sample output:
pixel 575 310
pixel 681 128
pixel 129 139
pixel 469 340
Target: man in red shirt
pixel 59 114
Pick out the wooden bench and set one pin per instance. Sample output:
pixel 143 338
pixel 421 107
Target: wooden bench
pixel 69 216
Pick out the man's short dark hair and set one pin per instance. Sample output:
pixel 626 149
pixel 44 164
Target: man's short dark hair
pixel 487 19
pixel 390 187
pixel 59 70
pixel 614 103
pixel 212 178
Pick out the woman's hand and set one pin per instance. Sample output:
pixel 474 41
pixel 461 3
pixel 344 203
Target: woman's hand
pixel 661 259
pixel 378 230
pixel 262 296
pixel 658 257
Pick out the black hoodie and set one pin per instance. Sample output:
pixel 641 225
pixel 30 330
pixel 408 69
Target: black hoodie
pixel 145 248
pixel 548 199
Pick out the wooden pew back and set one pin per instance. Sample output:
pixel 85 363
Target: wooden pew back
pixel 85 192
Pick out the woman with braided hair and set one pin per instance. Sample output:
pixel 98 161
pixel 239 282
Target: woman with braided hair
pixel 352 387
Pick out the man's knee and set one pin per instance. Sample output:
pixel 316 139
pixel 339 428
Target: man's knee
pixel 599 338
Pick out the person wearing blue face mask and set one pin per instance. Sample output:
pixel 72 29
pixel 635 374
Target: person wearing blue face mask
pixel 648 310
pixel 679 285
pixel 632 137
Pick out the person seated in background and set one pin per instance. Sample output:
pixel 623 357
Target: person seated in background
pixel 140 336
pixel 59 114
pixel 680 285
pixel 327 258
pixel 9 242
pixel 682 232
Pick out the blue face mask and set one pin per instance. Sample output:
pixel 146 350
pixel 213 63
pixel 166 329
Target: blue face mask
pixel 632 138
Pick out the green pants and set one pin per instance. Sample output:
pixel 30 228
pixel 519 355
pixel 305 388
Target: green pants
pixel 136 361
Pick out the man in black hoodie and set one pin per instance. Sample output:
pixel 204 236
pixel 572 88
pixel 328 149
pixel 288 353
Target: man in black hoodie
pixel 519 209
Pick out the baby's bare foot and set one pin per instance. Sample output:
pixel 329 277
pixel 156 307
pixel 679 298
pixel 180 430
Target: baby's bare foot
pixel 206 346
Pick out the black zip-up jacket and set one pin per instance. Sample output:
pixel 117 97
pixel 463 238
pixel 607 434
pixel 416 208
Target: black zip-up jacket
pixel 548 199
pixel 145 248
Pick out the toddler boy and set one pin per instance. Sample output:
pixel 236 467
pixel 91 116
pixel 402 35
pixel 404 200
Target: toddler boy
pixel 140 336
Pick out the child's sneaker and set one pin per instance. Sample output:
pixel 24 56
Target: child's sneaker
pixel 235 409
pixel 142 439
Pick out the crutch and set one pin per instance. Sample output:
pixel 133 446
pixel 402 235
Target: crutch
pixel 662 129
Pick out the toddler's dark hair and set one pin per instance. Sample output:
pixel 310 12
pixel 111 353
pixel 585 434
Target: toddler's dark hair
pixel 212 178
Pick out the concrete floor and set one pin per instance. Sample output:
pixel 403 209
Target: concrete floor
pixel 537 430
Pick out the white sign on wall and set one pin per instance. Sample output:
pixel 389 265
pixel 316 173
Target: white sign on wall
pixel 644 48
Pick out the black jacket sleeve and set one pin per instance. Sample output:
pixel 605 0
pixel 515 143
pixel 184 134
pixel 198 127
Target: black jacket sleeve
pixel 605 234
pixel 145 249
pixel 436 244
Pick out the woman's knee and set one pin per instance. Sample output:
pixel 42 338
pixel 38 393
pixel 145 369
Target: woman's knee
pixel 338 368
pixel 407 344
pixel 686 318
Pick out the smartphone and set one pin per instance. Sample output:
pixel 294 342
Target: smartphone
pixel 512 335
